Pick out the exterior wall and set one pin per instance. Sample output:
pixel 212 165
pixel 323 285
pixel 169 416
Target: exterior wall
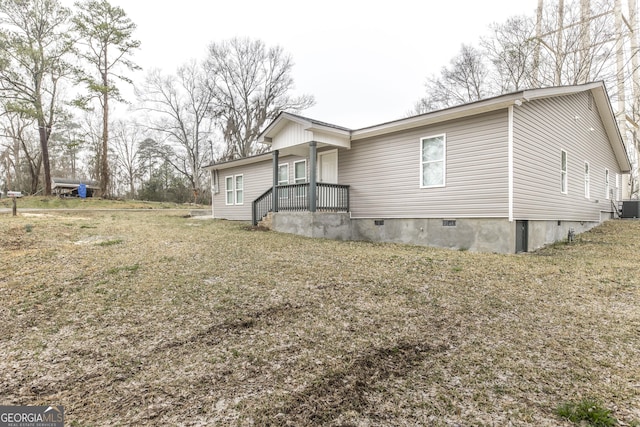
pixel 474 234
pixel 384 172
pixel 258 178
pixel 335 226
pixel 543 128
pixel 543 233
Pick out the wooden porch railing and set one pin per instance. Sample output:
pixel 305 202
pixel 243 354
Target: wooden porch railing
pixel 295 197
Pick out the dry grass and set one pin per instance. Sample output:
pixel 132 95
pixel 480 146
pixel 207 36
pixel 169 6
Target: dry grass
pixel 53 202
pixel 149 318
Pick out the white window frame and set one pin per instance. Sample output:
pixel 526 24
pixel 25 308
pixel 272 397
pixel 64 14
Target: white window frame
pixel 229 190
pixel 564 172
pixel 302 180
pixel 283 194
pixel 238 190
pixel 587 180
pixel 232 191
pixel 443 160
pixel 280 167
pixel 607 185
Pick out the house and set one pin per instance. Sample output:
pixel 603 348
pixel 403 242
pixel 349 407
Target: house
pixel 506 174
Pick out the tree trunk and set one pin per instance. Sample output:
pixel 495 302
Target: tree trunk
pixel 104 166
pixel 44 147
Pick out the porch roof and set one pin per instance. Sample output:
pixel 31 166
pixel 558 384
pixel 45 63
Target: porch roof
pixel 291 130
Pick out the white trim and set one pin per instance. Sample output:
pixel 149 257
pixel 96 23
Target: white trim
pixel 510 160
pixel 564 173
pixel 444 161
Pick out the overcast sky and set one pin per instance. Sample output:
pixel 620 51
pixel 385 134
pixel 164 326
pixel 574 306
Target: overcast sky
pixel 365 62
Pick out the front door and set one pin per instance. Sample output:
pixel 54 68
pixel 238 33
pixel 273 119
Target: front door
pixel 522 236
pixel 328 167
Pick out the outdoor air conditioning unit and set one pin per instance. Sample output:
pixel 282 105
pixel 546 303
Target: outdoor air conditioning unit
pixel 630 209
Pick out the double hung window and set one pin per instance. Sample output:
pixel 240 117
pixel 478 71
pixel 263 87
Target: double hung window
pixel 433 161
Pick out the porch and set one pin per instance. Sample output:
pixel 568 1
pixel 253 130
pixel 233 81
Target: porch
pixel 309 197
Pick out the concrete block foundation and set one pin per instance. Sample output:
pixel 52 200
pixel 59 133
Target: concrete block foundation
pixel 474 234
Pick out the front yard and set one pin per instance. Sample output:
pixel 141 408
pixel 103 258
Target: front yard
pixel 151 318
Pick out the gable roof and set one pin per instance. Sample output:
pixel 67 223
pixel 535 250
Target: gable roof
pixel 308 124
pixel 597 89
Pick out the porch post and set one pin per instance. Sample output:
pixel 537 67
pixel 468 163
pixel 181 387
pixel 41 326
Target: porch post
pixel 313 151
pixel 274 192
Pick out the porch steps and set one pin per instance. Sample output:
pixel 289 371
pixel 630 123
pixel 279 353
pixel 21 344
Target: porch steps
pixel 266 221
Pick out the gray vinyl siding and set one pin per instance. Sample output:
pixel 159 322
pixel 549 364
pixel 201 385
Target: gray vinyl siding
pixel 384 172
pixel 258 178
pixel 543 128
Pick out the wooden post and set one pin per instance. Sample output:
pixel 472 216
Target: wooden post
pixel 15 207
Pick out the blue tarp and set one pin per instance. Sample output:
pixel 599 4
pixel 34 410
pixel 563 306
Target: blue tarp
pixel 82 191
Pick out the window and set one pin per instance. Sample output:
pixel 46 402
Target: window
pixel 563 173
pixel 586 180
pixel 234 189
pixel 239 189
pixel 300 177
pixel 432 162
pixel 283 179
pixel 229 190
pixel 607 189
pixel 283 174
pixel 300 172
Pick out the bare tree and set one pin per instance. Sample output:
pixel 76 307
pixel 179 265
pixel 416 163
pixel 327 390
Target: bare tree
pixel 106 33
pixel 22 150
pixel 127 137
pixel 252 85
pixel 465 80
pixel 511 52
pixel 179 108
pixel 34 45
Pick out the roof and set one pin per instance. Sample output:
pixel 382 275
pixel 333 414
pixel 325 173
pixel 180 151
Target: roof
pixel 598 90
pixel 237 162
